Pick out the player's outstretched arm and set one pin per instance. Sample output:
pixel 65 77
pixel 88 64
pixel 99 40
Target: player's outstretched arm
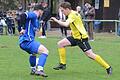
pixel 66 23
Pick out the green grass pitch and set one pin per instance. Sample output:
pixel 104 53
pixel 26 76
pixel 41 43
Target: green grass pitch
pixel 14 63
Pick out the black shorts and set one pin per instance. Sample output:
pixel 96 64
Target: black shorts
pixel 82 43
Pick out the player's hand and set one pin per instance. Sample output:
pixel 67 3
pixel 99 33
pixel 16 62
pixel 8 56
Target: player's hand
pixel 53 19
pixel 22 31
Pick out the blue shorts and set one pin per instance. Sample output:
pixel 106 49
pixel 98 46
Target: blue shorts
pixel 30 46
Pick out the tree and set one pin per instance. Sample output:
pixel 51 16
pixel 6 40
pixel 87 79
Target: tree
pixel 8 4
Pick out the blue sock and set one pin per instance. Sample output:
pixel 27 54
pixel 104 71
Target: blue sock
pixel 32 60
pixel 42 59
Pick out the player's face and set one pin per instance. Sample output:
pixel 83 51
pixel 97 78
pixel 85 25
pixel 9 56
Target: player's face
pixel 64 11
pixel 40 12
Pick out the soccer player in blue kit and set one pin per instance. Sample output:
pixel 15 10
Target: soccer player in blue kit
pixel 29 25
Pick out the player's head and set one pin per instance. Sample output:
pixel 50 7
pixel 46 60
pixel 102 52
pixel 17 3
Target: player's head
pixel 39 9
pixel 65 8
pixel 78 8
pixel 44 4
pixel 87 5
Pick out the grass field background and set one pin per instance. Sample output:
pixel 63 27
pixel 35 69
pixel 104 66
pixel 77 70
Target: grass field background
pixel 14 62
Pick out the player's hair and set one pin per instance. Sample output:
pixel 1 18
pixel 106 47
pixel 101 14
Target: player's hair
pixel 39 7
pixel 65 5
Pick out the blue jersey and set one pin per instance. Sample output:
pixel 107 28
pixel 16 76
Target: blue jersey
pixel 31 25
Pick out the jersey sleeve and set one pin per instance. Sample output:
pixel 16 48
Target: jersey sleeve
pixel 30 15
pixel 35 22
pixel 33 17
pixel 70 18
pixel 22 21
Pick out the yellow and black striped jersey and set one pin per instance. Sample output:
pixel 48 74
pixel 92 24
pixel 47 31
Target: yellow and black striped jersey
pixel 76 25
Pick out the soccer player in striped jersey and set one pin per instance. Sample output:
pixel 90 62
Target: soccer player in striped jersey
pixel 29 25
pixel 79 38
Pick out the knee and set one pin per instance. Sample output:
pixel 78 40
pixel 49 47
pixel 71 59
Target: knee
pixel 43 49
pixel 90 55
pixel 60 44
pixel 46 51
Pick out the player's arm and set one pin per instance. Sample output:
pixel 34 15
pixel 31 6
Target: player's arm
pixel 66 23
pixel 21 27
pixel 38 25
pixel 35 23
pixel 23 17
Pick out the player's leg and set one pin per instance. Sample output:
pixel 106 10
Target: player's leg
pixel 84 45
pixel 32 61
pixel 99 60
pixel 36 47
pixel 42 60
pixel 32 58
pixel 62 53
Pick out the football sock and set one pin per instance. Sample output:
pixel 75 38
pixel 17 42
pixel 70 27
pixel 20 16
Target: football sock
pixel 32 60
pixel 37 61
pixel 62 54
pixel 42 60
pixel 99 60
